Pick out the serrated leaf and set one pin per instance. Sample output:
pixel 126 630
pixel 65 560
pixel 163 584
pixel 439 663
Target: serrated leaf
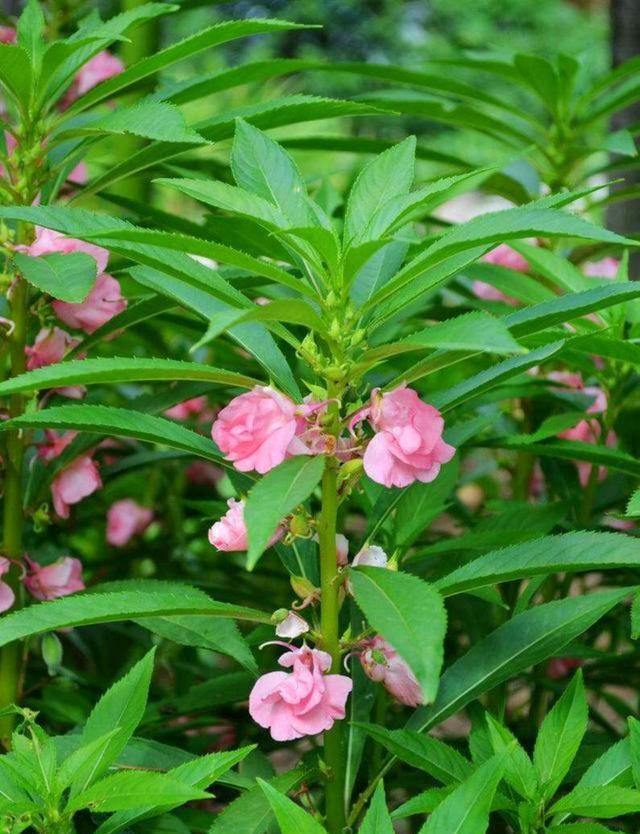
pixel 410 615
pixel 148 119
pixel 609 802
pixel 275 495
pixel 292 819
pixel 377 819
pixel 131 789
pixel 68 277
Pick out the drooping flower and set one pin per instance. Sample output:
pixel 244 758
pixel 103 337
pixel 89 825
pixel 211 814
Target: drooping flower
pixel 304 702
pixel 292 626
pixel 230 532
pixel 7 596
pixel 408 444
pixel 61 578
pixel 126 519
pixel 73 483
pixel 55 444
pixel 103 303
pixel 47 242
pixel 50 346
pixel 382 663
pixel 257 430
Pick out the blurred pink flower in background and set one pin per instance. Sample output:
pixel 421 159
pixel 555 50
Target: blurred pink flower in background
pixel 7 597
pixel 55 444
pixel 202 473
pixel 561 667
pixel 507 257
pixel 126 519
pixel 304 702
pixel 59 579
pixel 102 66
pixel 382 663
pixel 76 481
pixel 50 346
pixel 408 444
pixel 103 303
pixel 7 34
pixel 604 268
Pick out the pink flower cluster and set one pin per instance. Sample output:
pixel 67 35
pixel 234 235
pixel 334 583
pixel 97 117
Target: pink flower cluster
pixel 43 582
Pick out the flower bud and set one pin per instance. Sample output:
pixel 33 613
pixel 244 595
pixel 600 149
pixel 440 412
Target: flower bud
pixel 302 587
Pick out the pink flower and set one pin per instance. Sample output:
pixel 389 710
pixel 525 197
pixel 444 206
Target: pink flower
pixel 73 483
pixel 7 34
pixel 408 444
pixel 202 473
pixel 230 532
pixel 102 66
pixel 292 626
pixel 587 431
pixel 575 381
pixel 504 255
pixel 188 409
pixel 59 579
pixel 100 306
pixel 304 702
pixel 47 241
pixel 561 667
pixel 126 519
pixel 257 430
pixel 342 549
pixel 382 663
pixel 604 268
pixel 55 445
pixel 50 346
pixel 7 597
pixel 371 556
pixel 487 292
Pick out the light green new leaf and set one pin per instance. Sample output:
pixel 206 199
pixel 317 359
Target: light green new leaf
pixel 569 552
pixel 388 175
pixel 466 809
pixel 103 370
pixel 15 73
pixel 560 736
pixel 519 771
pixel 120 708
pixel 410 615
pixel 608 802
pixel 633 507
pixel 65 277
pixel 292 819
pixel 377 819
pixel 86 761
pixel 262 167
pixel 275 495
pixel 131 789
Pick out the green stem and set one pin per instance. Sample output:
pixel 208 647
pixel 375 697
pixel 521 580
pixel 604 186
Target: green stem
pixel 330 610
pixel 13 516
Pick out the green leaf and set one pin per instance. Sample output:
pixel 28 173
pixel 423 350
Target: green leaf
pixel 569 552
pixel 30 32
pixel 66 277
pixel 476 331
pixel 102 371
pixel 116 606
pixel 560 736
pixel 205 633
pixel 386 176
pixel 377 819
pixel 85 762
pixel 262 167
pixel 633 507
pixel 525 640
pixel 15 73
pixel 427 753
pixel 292 819
pixel 410 615
pixel 608 802
pixel 634 748
pixel 100 419
pixel 199 773
pixel 580 828
pixel 133 789
pixel 519 771
pixel 251 813
pixel 215 35
pixel 149 119
pixel 275 495
pixel 466 809
pixel 120 708
pixel 420 503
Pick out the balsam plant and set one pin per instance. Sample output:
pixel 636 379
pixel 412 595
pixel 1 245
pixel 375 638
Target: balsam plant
pixel 361 376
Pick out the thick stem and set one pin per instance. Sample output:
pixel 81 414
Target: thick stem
pixel 13 517
pixel 330 609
